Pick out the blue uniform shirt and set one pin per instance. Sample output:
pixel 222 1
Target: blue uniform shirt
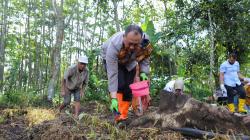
pixel 231 77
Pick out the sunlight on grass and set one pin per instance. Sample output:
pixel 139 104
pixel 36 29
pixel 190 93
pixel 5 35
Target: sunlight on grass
pixel 9 113
pixel 37 116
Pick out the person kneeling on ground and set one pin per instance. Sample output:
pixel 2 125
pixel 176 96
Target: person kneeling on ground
pixel 175 86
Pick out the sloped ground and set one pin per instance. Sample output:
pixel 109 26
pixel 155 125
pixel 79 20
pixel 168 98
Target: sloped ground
pixel 95 122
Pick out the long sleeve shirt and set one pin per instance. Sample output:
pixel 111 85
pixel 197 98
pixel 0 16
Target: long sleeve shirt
pixel 110 50
pixel 75 79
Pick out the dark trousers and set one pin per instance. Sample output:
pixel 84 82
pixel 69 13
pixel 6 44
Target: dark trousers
pixel 232 91
pixel 125 78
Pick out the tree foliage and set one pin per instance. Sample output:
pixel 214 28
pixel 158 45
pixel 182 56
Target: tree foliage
pixel 179 31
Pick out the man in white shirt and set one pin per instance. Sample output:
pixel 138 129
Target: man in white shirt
pixel 230 81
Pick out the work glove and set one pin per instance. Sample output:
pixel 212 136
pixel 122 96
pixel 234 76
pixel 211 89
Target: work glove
pixel 143 76
pixel 224 90
pixel 114 105
pixel 247 80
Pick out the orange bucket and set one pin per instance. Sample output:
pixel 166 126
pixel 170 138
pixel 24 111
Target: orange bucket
pixel 140 88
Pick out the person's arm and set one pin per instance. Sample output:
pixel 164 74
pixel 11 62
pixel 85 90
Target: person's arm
pixel 222 78
pixel 144 64
pixel 222 71
pixel 241 77
pixel 112 72
pixel 170 86
pixel 63 87
pixel 144 68
pixel 68 73
pixel 84 85
pixel 222 85
pixel 244 79
pixel 137 73
pixel 112 69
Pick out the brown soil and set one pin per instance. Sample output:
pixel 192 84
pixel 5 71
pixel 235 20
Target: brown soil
pixel 96 122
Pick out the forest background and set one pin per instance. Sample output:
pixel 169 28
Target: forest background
pixel 191 38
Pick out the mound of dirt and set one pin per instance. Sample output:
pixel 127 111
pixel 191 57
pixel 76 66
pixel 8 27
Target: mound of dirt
pixel 186 112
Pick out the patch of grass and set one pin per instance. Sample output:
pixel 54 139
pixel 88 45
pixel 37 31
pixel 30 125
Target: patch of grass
pixel 100 108
pixel 92 134
pixel 38 115
pixel 8 113
pixel 100 127
pixel 2 119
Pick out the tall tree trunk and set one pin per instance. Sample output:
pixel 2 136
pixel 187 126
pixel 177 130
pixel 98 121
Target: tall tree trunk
pixel 166 25
pixel 36 65
pixel 82 35
pixel 211 32
pixel 2 42
pixel 71 42
pixel 20 74
pixel 27 45
pixel 49 51
pixel 40 81
pixel 19 82
pixel 170 67
pixel 78 27
pixel 123 10
pixel 84 26
pixel 56 54
pixel 37 54
pixel 93 34
pixel 116 18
